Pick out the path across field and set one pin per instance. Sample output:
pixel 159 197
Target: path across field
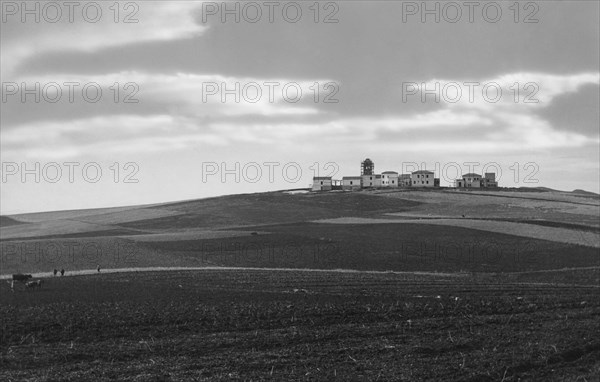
pixel 84 272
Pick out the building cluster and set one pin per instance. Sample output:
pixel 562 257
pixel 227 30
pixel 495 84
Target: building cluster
pixel 422 178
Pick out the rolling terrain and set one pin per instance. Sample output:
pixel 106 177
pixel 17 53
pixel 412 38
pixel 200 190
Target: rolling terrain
pixel 371 285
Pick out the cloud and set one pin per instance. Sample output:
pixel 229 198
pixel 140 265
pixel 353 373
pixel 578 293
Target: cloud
pixel 105 135
pixel 511 104
pixel 179 110
pixel 206 95
pixel 517 91
pixel 156 21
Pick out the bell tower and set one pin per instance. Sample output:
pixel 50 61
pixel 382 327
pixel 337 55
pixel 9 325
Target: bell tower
pixel 367 167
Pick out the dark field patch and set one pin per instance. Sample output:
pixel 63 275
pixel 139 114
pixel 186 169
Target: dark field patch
pixel 79 235
pixel 224 325
pixel 555 224
pixel 398 247
pixel 272 208
pixel 5 221
pixel 544 223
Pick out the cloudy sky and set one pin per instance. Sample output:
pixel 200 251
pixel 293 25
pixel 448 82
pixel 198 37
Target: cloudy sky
pixel 318 88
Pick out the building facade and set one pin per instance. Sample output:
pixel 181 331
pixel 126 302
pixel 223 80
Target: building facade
pixel 472 180
pixel 367 167
pixel 322 183
pixel 389 179
pixel 404 180
pixel 489 180
pixel 422 178
pixel 370 181
pixel 351 183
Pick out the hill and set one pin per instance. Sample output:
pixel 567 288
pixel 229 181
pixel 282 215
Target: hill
pixel 586 193
pixel 368 230
pixel 460 285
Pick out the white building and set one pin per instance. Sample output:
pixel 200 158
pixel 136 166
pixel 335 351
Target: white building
pixel 472 180
pixel 422 178
pixel 351 183
pixel 322 183
pixel 389 179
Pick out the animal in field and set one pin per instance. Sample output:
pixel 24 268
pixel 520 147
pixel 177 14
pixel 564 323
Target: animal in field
pixel 55 271
pixel 12 285
pixel 20 277
pixel 62 272
pixel 33 284
pixel 98 268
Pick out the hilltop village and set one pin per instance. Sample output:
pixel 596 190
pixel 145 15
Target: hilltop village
pixel 391 179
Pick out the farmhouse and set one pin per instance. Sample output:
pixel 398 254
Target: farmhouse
pixel 472 180
pixel 351 183
pixel 369 181
pixel 389 179
pixel 322 183
pixel 422 178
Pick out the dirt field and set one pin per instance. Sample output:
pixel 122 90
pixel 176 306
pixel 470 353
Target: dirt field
pixel 261 325
pixel 424 294
pixel 535 231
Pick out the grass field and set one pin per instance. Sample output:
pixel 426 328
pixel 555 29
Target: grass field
pixel 412 300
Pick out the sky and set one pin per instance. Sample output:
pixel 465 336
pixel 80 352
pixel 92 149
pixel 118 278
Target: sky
pixel 155 101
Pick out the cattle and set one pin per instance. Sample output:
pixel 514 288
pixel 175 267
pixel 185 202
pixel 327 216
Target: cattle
pixel 55 271
pixel 33 284
pixel 98 268
pixel 20 277
pixel 62 272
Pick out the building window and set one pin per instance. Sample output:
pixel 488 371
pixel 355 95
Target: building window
pixel 321 183
pixel 351 183
pixel 427 182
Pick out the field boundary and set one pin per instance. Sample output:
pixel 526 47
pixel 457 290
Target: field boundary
pixel 86 272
